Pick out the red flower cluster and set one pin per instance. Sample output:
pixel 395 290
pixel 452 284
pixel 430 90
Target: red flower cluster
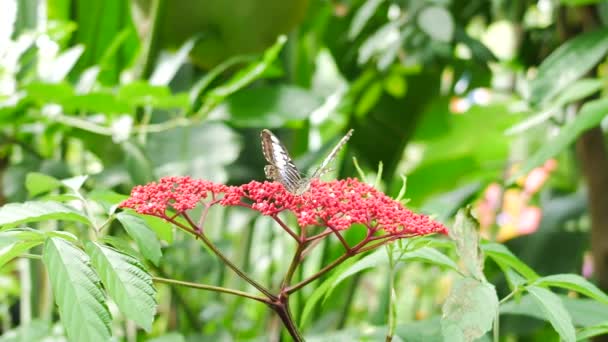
pixel 336 204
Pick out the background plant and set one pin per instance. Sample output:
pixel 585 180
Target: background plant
pixel 87 91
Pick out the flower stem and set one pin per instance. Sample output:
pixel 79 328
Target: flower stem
pixel 210 288
pixel 226 261
pixel 338 261
pixel 282 309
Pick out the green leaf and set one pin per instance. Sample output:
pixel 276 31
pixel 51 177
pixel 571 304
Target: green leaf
pixel 577 91
pixel 142 234
pixel 58 69
pixel 138 164
pixel 267 106
pixel 38 183
pixel 34 211
pixel 568 63
pixel 574 92
pixel 430 255
pixel 469 310
pixel 395 84
pixel 376 259
pixel 369 98
pixel 316 295
pixel 588 332
pixel 144 94
pixel 74 183
pixel 96 102
pixel 579 2
pixel 246 76
pixel 502 255
pixel 584 311
pixel 127 282
pixel 437 22
pixel 15 242
pixel 163 229
pixel 554 311
pixel 590 115
pixel 49 93
pixel 77 292
pixel 574 282
pixel 464 233
pixel 167 67
pixel 364 13
pixel 170 337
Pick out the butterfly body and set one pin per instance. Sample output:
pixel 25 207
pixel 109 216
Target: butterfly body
pixel 282 169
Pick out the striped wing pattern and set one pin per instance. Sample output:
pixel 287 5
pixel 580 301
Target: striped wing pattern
pixel 282 169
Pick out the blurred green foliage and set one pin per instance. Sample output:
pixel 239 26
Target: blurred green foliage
pixel 456 95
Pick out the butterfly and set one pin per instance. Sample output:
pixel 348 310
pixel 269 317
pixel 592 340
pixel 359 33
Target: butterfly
pixel 282 169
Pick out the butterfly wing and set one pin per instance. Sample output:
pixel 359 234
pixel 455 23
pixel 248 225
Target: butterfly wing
pixel 281 168
pixel 323 168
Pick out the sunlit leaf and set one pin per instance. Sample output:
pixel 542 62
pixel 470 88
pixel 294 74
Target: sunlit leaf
pixel 38 183
pixel 144 237
pixel 568 63
pixel 588 332
pixel 469 310
pixel 574 92
pixel 168 65
pixel 431 256
pixel 127 282
pixel 364 13
pixel 437 22
pixel 590 115
pixel 574 282
pixel 464 233
pixel 15 242
pixel 57 70
pixel 502 255
pixel 34 211
pixel 244 77
pixel 554 312
pixel 77 292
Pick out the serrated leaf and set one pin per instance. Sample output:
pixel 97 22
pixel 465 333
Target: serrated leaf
pixel 554 311
pixel 145 238
pixel 590 115
pixel 568 63
pixel 33 211
pixel 502 255
pixel 127 282
pixel 469 310
pixel 38 183
pixel 574 282
pixel 77 292
pixel 464 233
pixel 15 242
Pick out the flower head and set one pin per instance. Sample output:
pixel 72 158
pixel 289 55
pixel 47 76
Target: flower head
pixel 336 204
